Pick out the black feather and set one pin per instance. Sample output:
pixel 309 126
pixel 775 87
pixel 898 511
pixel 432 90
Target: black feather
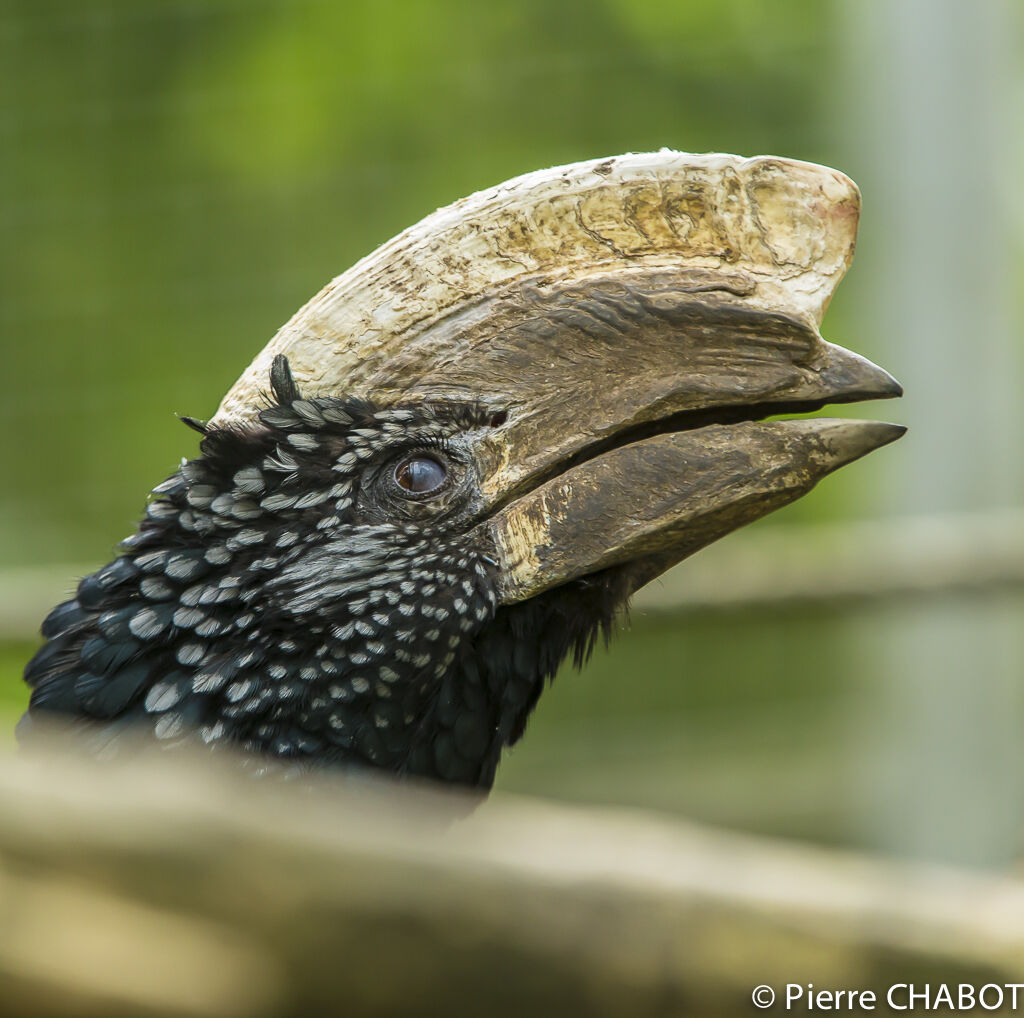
pixel 106 696
pixel 281 381
pixel 93 590
pixel 44 661
pixel 56 694
pixel 194 423
pixel 63 618
pixel 102 656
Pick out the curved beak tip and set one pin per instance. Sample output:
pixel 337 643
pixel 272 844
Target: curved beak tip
pixel 849 440
pixel 891 389
pixel 847 377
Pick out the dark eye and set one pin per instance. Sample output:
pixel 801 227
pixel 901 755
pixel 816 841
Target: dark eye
pixel 420 474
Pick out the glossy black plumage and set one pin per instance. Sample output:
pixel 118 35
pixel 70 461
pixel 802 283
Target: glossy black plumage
pixel 283 595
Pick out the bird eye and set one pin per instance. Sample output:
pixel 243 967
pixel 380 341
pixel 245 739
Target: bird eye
pixel 420 474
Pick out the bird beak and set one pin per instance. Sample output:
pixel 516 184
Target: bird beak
pixel 654 502
pixel 629 323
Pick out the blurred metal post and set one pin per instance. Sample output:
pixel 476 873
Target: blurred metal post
pixel 930 130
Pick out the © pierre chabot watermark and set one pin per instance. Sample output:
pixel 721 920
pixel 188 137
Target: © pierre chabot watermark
pixel 897 997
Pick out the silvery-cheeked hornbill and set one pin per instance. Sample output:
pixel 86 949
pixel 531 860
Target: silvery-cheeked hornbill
pixel 455 464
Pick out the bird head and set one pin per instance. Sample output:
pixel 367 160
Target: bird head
pixel 452 468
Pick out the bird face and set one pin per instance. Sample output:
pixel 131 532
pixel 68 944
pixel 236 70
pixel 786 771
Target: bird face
pixel 364 583
pixel 317 587
pixel 385 570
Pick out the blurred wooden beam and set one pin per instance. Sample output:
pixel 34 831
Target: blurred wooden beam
pixel 178 886
pixel 839 562
pixel 767 565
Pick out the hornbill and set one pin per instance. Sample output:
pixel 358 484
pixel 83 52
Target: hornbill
pixel 452 468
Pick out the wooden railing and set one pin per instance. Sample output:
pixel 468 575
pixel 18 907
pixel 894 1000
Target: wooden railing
pixel 176 885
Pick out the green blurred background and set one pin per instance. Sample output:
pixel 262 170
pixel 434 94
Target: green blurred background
pixel 178 176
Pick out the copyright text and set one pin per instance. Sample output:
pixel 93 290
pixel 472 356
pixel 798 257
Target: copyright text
pixel 898 997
